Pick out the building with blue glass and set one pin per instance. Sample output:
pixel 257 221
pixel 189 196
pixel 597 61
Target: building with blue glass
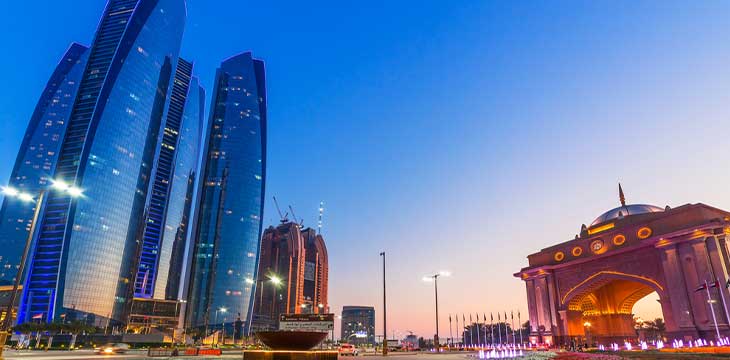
pixel 169 197
pixel 84 259
pixel 228 227
pixel 37 157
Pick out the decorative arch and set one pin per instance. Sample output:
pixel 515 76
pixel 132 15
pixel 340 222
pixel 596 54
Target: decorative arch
pixel 601 278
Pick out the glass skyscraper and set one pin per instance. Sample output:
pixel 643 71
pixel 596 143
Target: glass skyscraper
pixel 37 156
pixel 84 260
pixel 173 179
pixel 225 254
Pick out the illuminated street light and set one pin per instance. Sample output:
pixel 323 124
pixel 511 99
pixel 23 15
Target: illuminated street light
pixel 74 191
pixel 8 191
pixel 60 185
pixel 275 279
pixel 63 186
pixel 435 278
pixel 249 281
pixel 25 197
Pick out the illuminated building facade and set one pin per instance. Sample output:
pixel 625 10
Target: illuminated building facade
pixel 586 288
pixel 37 157
pixel 358 325
pixel 228 224
pixel 170 195
pixel 293 275
pixel 83 263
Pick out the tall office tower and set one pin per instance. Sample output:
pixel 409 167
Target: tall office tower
pixel 293 272
pixel 226 250
pixel 37 157
pixel 358 325
pixel 316 273
pixel 85 255
pixel 176 162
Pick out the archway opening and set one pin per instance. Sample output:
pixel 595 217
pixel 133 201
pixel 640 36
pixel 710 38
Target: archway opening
pixel 604 312
pixel 648 317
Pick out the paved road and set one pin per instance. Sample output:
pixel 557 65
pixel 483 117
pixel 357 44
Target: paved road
pixel 141 354
pixel 89 354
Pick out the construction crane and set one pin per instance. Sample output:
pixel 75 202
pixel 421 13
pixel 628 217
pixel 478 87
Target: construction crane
pixel 285 217
pixel 296 221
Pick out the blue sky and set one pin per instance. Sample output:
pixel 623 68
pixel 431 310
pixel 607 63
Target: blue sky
pixel 459 135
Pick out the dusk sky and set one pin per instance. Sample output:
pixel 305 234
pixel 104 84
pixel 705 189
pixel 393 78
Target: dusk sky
pixel 455 135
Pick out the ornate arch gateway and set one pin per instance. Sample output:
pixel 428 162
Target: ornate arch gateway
pixel 585 288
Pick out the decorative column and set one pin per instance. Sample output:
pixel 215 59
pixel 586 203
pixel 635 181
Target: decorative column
pixel 677 291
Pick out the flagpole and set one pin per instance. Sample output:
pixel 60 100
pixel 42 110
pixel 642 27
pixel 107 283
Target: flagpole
pixel 479 333
pixel 499 329
pixel 722 296
pixel 491 327
pixel 519 320
pixel 712 309
pixel 451 334
pixel 506 330
pixel 457 327
pixel 471 331
pixel 485 329
pixel 512 320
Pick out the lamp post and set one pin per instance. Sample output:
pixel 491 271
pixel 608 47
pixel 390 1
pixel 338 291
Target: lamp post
pixel 435 278
pixel 385 317
pixel 221 309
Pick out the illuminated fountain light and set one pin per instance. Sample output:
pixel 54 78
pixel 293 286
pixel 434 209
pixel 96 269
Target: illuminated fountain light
pixel 660 344
pixel 644 346
pixel 628 346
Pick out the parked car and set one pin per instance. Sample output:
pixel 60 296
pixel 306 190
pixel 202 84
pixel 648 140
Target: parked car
pixel 347 349
pixel 108 349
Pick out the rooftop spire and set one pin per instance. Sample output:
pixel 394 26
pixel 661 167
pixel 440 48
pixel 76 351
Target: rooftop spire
pixel 621 196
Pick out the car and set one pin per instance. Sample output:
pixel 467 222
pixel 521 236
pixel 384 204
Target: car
pixel 347 349
pixel 108 349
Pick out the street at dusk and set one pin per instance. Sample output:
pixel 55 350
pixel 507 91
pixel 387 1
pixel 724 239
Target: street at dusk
pixel 442 180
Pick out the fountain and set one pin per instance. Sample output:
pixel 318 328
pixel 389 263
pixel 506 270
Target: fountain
pixel 287 345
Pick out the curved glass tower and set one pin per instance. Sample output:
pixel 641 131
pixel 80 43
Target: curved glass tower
pixel 37 156
pixel 168 208
pixel 228 233
pixel 84 259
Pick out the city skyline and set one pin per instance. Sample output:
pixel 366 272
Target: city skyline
pixel 542 137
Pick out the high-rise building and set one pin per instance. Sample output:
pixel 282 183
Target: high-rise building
pixel 228 224
pixel 85 255
pixel 358 325
pixel 168 201
pixel 37 157
pixel 292 275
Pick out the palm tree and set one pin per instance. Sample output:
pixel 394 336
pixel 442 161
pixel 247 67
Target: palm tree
pixel 78 327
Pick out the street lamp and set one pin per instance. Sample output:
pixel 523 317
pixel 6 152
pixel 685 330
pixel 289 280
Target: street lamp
pixel 587 325
pixel 435 278
pixel 221 309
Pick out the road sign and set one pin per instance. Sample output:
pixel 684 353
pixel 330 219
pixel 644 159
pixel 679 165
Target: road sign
pixel 307 322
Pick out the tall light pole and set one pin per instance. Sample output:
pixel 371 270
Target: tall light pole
pixel 385 317
pixel 435 278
